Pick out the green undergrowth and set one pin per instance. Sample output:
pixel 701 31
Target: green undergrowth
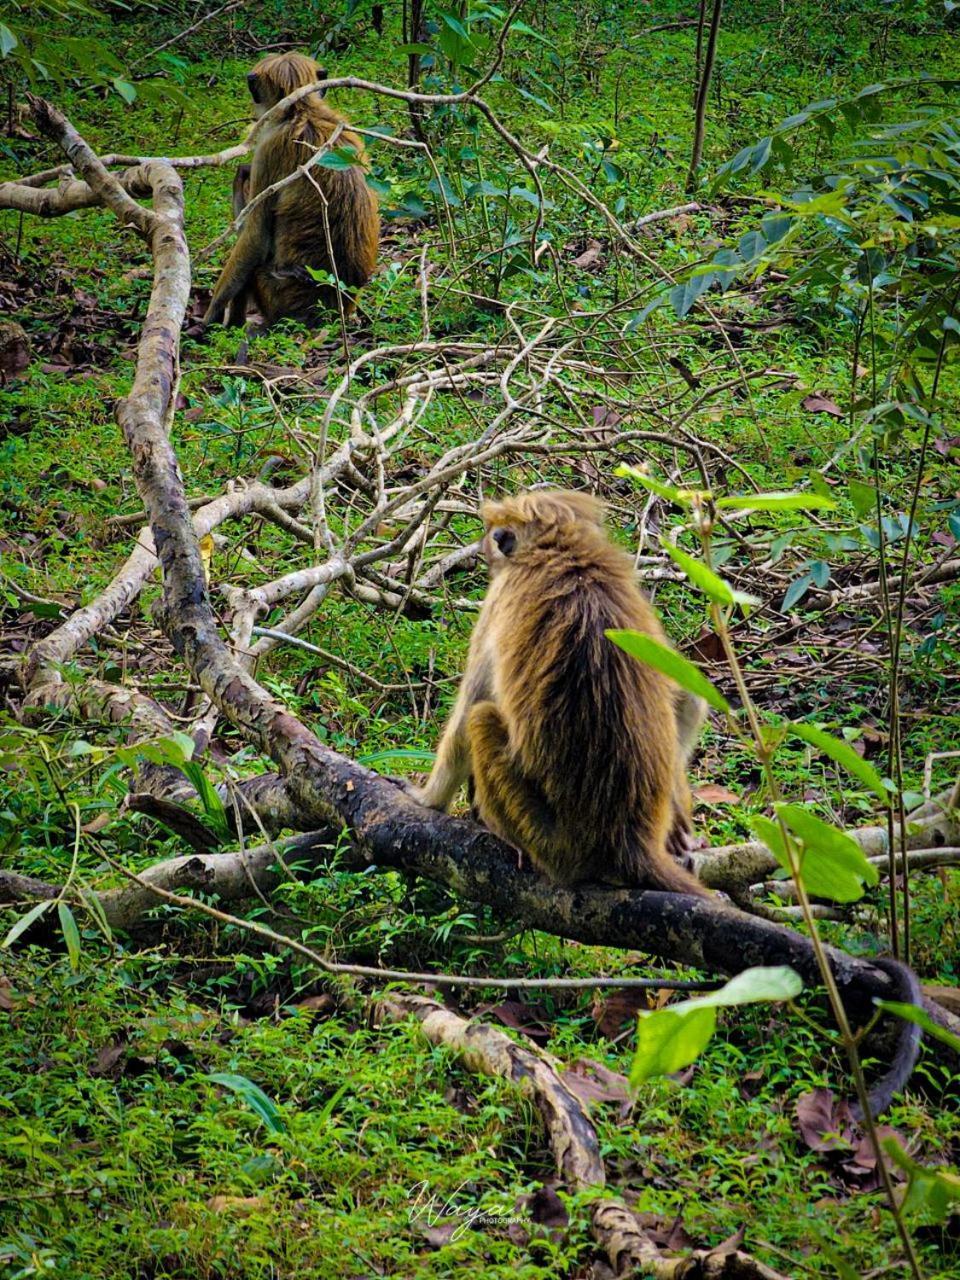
pixel 119 1156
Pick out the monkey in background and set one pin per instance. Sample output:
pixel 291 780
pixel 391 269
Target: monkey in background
pixel 335 229
pixel 577 752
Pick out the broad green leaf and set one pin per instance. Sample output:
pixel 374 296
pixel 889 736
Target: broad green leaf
pixel 775 226
pixel 769 832
pixel 669 1041
pixel 832 864
pixel 176 747
pixel 795 592
pixel 334 160
pixel 863 496
pixel 183 742
pixel 531 197
pixel 760 982
pixel 913 1013
pixel 752 245
pixel 125 89
pixel 726 264
pixel 456 25
pixel 71 934
pixel 672 1038
pixel 709 583
pixel 933 1190
pixel 845 756
pixel 668 491
pixel 253 1096
pixel 662 658
pixel 760 154
pixel 683 296
pixel 413 48
pixel 8 40
pixel 24 923
pixel 777 502
pixel 484 188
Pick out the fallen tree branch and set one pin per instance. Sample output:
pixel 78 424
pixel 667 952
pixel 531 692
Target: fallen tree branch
pixel 730 867
pixel 488 1051
pixel 326 789
pixel 478 868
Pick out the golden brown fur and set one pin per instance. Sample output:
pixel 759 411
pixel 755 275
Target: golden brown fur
pixel 295 228
pixel 572 746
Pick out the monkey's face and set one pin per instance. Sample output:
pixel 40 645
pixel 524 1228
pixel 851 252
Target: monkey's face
pixel 499 544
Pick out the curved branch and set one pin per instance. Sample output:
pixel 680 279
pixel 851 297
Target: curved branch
pixel 572 1137
pixel 327 789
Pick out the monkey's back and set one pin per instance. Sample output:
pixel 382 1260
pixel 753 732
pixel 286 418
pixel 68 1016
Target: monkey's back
pixel 592 728
pixel 351 207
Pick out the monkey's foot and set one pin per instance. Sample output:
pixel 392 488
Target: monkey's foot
pixel 680 843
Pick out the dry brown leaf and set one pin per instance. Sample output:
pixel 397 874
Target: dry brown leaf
pixel 817 402
pixel 824 1123
pixel 241 1205
pixel 590 256
pixel 591 1082
pixel 611 1010
pixel 713 793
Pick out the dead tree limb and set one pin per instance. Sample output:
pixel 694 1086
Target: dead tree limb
pixel 326 789
pixel 487 1050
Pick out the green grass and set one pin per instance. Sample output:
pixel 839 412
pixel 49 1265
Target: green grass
pixel 110 1168
pixel 111 1161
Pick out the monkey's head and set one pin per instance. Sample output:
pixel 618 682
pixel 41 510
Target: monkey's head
pixel 278 74
pixel 514 525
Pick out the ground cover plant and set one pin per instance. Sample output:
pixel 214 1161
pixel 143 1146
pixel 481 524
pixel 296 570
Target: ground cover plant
pixel 698 260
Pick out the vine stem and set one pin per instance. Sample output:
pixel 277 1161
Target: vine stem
pixel 765 756
pixel 895 755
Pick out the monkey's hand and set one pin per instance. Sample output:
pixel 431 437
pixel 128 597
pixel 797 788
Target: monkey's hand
pixel 214 313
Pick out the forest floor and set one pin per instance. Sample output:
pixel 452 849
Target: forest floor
pixel 119 1154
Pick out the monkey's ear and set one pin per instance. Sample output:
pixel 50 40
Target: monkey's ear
pixel 583 506
pixel 505 539
pixel 492 513
pixel 253 84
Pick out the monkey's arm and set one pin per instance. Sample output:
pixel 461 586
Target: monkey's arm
pixel 509 803
pixel 452 766
pixel 691 711
pixel 254 245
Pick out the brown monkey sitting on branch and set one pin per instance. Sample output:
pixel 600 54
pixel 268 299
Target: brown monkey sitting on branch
pixel 577 752
pixel 326 220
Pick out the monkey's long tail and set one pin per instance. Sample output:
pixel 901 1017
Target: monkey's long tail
pixel 908 1042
